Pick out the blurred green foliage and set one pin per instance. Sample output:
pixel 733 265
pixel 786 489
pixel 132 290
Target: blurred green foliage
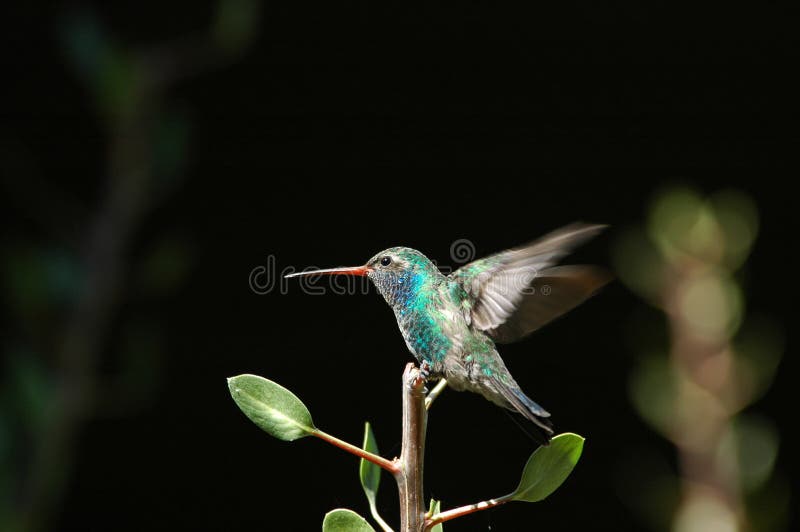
pixel 686 261
pixel 64 288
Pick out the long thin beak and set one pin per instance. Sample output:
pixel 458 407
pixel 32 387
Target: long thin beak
pixel 355 270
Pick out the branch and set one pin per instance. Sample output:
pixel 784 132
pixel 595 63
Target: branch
pixel 391 466
pixel 465 510
pixel 409 479
pixel 110 232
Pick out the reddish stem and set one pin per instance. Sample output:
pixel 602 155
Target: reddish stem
pixel 465 510
pixel 388 465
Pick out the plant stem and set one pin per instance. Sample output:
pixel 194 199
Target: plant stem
pixel 409 478
pixel 465 510
pixel 375 515
pixel 433 394
pixel 391 466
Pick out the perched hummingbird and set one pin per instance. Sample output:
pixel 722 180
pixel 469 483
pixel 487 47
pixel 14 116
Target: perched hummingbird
pixel 451 323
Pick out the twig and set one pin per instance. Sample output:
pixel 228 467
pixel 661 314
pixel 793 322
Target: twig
pixel 375 515
pixel 465 510
pixel 407 470
pixel 433 394
pixel 391 466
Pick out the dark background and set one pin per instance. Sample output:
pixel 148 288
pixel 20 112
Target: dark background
pixel 342 130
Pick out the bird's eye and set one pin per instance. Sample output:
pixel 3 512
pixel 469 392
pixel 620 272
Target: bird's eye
pixel 385 261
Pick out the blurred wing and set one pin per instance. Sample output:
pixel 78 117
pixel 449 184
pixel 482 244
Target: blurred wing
pixel 554 292
pixel 502 288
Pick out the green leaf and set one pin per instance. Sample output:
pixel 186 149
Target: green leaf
pixel 272 407
pixel 344 520
pixel 435 508
pixel 548 467
pixel 370 473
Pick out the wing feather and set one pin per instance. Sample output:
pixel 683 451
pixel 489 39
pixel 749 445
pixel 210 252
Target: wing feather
pixel 503 287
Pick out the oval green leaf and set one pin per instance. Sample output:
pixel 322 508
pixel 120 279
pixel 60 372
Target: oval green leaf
pixel 344 520
pixel 272 407
pixel 370 473
pixel 548 467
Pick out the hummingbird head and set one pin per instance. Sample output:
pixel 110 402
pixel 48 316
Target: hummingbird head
pixel 399 272
pixel 396 272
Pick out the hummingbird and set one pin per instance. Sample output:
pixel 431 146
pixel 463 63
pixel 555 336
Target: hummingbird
pixel 452 323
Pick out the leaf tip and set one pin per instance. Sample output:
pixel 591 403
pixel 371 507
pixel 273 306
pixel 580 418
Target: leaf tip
pixel 570 436
pixel 232 386
pixel 548 467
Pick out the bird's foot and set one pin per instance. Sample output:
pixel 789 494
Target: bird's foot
pixel 425 370
pixel 423 374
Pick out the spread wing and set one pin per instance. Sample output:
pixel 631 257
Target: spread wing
pixel 513 293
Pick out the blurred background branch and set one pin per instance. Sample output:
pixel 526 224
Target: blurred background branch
pixel 146 149
pixel 715 363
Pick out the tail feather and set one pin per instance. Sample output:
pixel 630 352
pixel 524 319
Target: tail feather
pixel 528 409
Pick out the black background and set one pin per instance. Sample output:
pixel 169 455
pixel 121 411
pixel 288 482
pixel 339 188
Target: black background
pixel 345 130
